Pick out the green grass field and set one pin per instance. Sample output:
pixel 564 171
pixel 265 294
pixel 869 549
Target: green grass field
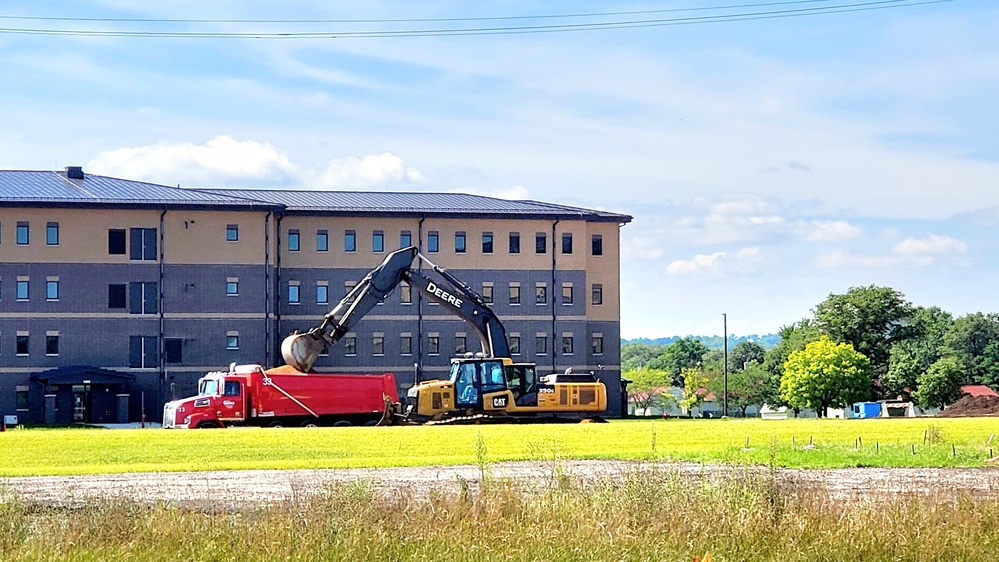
pixel 834 443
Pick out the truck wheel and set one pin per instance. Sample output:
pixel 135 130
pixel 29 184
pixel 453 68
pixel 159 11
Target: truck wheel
pixel 209 425
pixel 342 423
pixel 310 423
pixel 371 423
pixel 276 424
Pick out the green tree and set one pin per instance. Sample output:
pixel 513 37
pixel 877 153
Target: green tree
pixel 940 385
pixel 910 358
pixel 649 387
pixel 749 387
pixel 684 353
pixel 636 355
pixel 907 361
pixel 792 338
pixel 744 354
pixel 987 365
pixel 825 374
pixel 695 384
pixel 870 318
pixel 967 340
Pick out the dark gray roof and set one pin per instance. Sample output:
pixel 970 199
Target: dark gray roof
pixel 54 188
pixel 413 203
pixel 42 188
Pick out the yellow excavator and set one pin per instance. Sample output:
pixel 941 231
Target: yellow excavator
pixel 486 386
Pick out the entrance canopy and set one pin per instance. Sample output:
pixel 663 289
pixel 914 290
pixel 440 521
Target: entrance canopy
pixel 81 374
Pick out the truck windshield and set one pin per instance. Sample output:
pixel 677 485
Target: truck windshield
pixel 208 387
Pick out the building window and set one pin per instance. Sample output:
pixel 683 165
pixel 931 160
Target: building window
pixel 487 242
pixel 378 344
pixel 322 241
pixel 541 294
pixel 322 293
pixel 567 345
pixel 433 242
pixel 22 289
pixel 406 344
pixel 173 350
pixel 232 340
pixel 143 242
pixel 294 294
pixel 52 344
pixel 459 243
pixel 598 344
pixel 405 293
pixel 487 293
pixel 350 345
pixel 232 287
pixel 22 344
pixel 232 233
pixel 52 290
pixel 21 398
pixel 142 298
pixel 514 242
pixel 433 345
pixel 566 293
pixel 541 344
pixel 597 294
pixel 142 352
pixel 349 241
pixel 348 287
pixel 597 243
pixel 540 243
pixel 567 243
pixel 514 294
pixel 378 241
pixel 117 295
pixel 514 345
pixel 405 239
pixel 52 234
pixel 460 344
pixel 294 241
pixel 116 242
pixel 22 234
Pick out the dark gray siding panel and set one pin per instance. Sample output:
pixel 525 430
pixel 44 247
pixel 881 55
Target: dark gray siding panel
pixel 202 289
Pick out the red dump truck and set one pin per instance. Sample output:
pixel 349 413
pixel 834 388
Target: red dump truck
pixel 249 395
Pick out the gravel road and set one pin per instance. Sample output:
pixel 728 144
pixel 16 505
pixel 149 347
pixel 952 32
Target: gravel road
pixel 242 488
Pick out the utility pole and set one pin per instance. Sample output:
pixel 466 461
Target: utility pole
pixel 725 360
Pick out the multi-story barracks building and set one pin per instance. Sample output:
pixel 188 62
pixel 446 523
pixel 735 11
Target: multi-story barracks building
pixel 117 295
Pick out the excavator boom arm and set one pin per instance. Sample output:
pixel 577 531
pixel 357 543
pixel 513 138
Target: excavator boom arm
pixel 302 350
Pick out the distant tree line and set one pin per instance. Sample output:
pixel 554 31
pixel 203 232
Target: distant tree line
pixel 869 343
pixel 711 342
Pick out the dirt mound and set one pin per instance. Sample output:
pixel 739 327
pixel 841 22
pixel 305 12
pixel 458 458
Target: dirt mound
pixel 283 370
pixel 972 406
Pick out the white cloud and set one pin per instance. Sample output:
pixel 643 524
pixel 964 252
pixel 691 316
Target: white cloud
pixel 217 162
pixel 366 172
pixel 911 252
pixel 745 260
pixel 227 162
pixel 638 248
pixel 930 245
pixel 699 263
pixel 513 193
pixel 830 231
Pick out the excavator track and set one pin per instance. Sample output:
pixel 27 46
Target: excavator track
pixel 475 419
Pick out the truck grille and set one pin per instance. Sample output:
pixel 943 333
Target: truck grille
pixel 169 417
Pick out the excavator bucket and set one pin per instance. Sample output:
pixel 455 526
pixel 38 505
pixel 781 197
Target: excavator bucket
pixel 301 351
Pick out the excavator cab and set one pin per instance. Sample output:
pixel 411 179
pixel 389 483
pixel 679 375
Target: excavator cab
pixel 473 378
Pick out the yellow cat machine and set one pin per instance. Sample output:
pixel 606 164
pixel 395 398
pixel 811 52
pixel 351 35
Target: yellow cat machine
pixel 483 387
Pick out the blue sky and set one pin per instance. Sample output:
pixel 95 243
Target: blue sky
pixel 767 162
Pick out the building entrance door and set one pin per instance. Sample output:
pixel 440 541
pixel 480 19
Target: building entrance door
pixel 81 403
